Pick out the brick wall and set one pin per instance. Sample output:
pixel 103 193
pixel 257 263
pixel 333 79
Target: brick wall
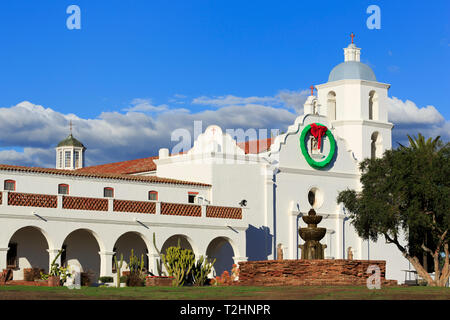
pixel 309 272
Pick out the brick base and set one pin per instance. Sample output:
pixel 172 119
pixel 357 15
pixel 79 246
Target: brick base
pixel 159 281
pixel 309 272
pixel 27 283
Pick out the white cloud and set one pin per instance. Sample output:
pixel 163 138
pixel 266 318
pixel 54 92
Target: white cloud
pixel 145 105
pixel 409 119
pixel 30 132
pixel 408 112
pixel 230 100
pixel 115 136
pixel 290 99
pixel 294 99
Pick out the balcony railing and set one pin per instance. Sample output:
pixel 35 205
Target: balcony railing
pixel 116 205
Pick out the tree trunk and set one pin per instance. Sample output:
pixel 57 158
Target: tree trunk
pixel 420 269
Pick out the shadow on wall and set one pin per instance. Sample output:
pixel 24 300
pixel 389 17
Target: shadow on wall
pixel 259 243
pixel 221 250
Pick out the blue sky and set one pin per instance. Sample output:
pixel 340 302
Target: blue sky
pixel 165 55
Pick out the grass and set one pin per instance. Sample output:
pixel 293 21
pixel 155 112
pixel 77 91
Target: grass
pixel 226 293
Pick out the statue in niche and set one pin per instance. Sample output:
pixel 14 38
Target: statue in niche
pixel 314 145
pixel 280 251
pixel 349 253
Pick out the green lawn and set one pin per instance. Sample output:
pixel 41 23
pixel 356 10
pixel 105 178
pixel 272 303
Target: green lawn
pixel 225 293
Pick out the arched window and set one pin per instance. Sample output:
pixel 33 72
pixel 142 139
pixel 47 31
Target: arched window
pixel 108 192
pixel 373 105
pixel 331 105
pixel 376 145
pixel 153 195
pixel 63 188
pixel 9 185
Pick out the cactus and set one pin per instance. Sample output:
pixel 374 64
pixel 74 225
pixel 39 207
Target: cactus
pixel 118 268
pixel 178 262
pixel 136 265
pixel 201 270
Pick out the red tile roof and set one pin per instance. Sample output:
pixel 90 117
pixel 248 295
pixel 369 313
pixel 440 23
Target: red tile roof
pixel 147 164
pixel 123 167
pixel 77 173
pixel 256 146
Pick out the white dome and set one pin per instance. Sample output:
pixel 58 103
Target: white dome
pixel 352 70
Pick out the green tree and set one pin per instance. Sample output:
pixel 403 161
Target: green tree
pixel 407 191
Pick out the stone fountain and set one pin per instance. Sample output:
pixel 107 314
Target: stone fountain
pixel 312 248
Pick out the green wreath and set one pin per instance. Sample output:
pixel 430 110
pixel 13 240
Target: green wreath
pixel 311 161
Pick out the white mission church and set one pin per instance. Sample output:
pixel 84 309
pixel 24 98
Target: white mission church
pixel 232 201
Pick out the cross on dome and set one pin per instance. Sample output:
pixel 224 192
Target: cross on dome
pixel 352 36
pixel 312 90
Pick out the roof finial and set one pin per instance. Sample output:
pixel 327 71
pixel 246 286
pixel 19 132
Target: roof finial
pixel 352 36
pixel 70 124
pixel 312 90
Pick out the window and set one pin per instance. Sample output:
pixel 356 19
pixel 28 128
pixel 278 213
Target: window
pixel 376 145
pixel 60 159
pixel 11 255
pixel 67 159
pixel 331 105
pixel 63 188
pixel 108 192
pixel 9 185
pixel 153 195
pixel 373 105
pixel 192 196
pixel 76 159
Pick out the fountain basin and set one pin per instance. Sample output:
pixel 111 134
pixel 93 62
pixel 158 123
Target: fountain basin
pixel 312 233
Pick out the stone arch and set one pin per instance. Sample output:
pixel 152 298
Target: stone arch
pixel 28 248
pixel 331 105
pixel 373 105
pixel 376 145
pixel 185 243
pixel 131 240
pixel 82 247
pixel 223 250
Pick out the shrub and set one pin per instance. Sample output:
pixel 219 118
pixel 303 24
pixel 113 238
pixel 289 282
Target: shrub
pixel 135 280
pixel 106 279
pixel 31 274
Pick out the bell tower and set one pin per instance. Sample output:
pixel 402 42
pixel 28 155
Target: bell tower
pixel 70 153
pixel 356 105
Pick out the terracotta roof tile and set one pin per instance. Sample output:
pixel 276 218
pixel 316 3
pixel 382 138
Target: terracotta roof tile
pixel 123 167
pixel 76 173
pixel 256 146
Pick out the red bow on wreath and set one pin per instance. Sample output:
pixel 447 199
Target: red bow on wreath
pixel 318 132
